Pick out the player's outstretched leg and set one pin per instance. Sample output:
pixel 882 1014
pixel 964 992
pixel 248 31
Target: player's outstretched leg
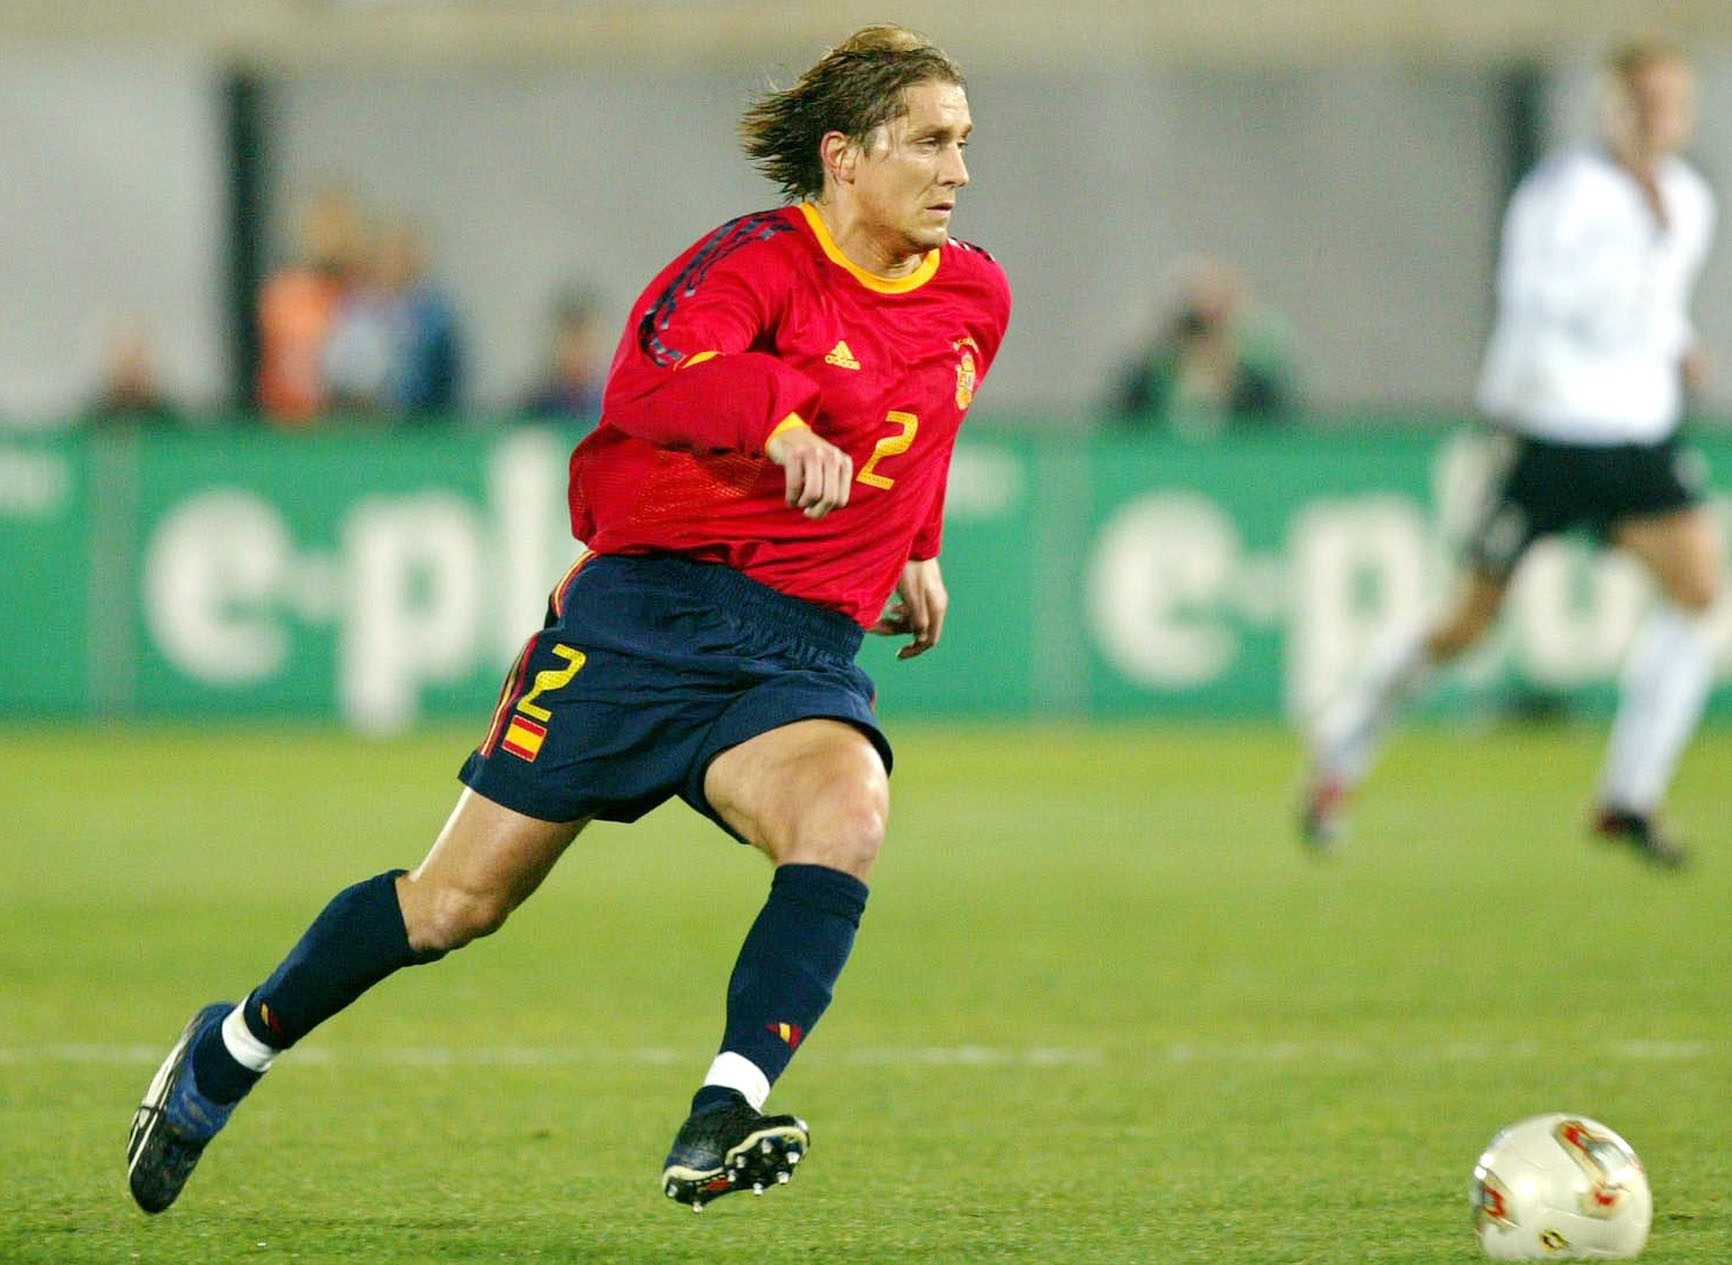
pixel 1667 676
pixel 354 943
pixel 1665 685
pixel 1347 737
pixel 730 1145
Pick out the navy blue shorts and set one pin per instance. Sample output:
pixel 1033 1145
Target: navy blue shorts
pixel 646 670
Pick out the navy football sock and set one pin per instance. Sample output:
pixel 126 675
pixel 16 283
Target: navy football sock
pixel 214 1070
pixel 788 967
pixel 357 941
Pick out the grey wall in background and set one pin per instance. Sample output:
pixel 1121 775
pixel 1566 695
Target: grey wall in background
pixel 1360 202
pixel 111 204
pixel 1363 201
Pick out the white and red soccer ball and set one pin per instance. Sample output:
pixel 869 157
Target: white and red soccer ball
pixel 1560 1187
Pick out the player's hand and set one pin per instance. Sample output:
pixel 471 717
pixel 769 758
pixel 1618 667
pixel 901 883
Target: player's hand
pixel 917 609
pixel 819 474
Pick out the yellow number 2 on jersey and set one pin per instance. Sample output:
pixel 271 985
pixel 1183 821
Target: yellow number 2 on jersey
pixel 889 446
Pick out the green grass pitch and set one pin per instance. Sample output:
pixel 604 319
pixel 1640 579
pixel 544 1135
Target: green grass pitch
pixel 1102 1009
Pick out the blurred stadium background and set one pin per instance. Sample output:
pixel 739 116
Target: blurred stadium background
pixel 1351 160
pixel 221 628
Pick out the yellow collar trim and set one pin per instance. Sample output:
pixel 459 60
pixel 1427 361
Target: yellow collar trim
pixel 872 281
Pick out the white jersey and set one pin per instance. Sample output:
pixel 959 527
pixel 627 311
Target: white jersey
pixel 1593 302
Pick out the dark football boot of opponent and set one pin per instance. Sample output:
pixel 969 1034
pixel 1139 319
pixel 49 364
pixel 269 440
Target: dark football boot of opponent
pixel 1651 841
pixel 1323 813
pixel 732 1147
pixel 174 1122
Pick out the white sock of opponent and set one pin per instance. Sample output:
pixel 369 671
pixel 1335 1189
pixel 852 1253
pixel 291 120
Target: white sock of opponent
pixel 1349 733
pixel 1664 687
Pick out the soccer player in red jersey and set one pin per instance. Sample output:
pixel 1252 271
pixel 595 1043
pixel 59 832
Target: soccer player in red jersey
pixel 766 485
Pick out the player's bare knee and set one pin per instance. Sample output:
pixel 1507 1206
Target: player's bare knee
pixel 860 839
pixel 843 831
pixel 450 917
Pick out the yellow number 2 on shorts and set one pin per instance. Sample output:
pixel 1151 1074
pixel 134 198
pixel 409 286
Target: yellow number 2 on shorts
pixel 552 679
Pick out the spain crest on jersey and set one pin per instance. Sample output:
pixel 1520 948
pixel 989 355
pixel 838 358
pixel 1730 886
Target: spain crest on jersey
pixel 967 372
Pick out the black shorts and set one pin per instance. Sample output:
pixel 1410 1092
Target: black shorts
pixel 646 670
pixel 1548 487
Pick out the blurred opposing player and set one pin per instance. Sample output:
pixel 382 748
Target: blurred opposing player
pixel 1586 373
pixel 770 469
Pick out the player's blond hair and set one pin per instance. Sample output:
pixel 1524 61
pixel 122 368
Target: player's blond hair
pixel 854 89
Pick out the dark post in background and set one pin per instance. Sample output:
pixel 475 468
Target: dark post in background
pixel 245 105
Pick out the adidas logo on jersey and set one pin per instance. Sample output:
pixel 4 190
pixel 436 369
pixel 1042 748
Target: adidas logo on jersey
pixel 841 357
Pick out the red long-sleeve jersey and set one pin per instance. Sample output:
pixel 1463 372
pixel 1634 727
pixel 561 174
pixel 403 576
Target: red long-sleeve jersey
pixel 762 318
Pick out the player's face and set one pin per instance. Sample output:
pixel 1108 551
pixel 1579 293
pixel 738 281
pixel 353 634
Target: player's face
pixel 907 177
pixel 1658 108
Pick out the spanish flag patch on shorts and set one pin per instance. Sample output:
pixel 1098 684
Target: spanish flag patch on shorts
pixel 523 738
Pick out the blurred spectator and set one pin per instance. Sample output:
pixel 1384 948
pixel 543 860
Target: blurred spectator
pixel 298 308
pixel 394 351
pixel 576 370
pixel 1215 361
pixel 130 391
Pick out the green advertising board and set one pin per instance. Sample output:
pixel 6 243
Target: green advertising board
pixel 379 578
pixel 373 576
pixel 46 552
pixel 1227 578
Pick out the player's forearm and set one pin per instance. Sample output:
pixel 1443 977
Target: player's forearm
pixel 721 404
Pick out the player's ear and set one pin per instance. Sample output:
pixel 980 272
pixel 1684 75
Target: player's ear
pixel 839 155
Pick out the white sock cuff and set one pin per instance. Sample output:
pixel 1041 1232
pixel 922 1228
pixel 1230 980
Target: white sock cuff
pixel 248 1050
pixel 737 1072
pixel 1664 685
